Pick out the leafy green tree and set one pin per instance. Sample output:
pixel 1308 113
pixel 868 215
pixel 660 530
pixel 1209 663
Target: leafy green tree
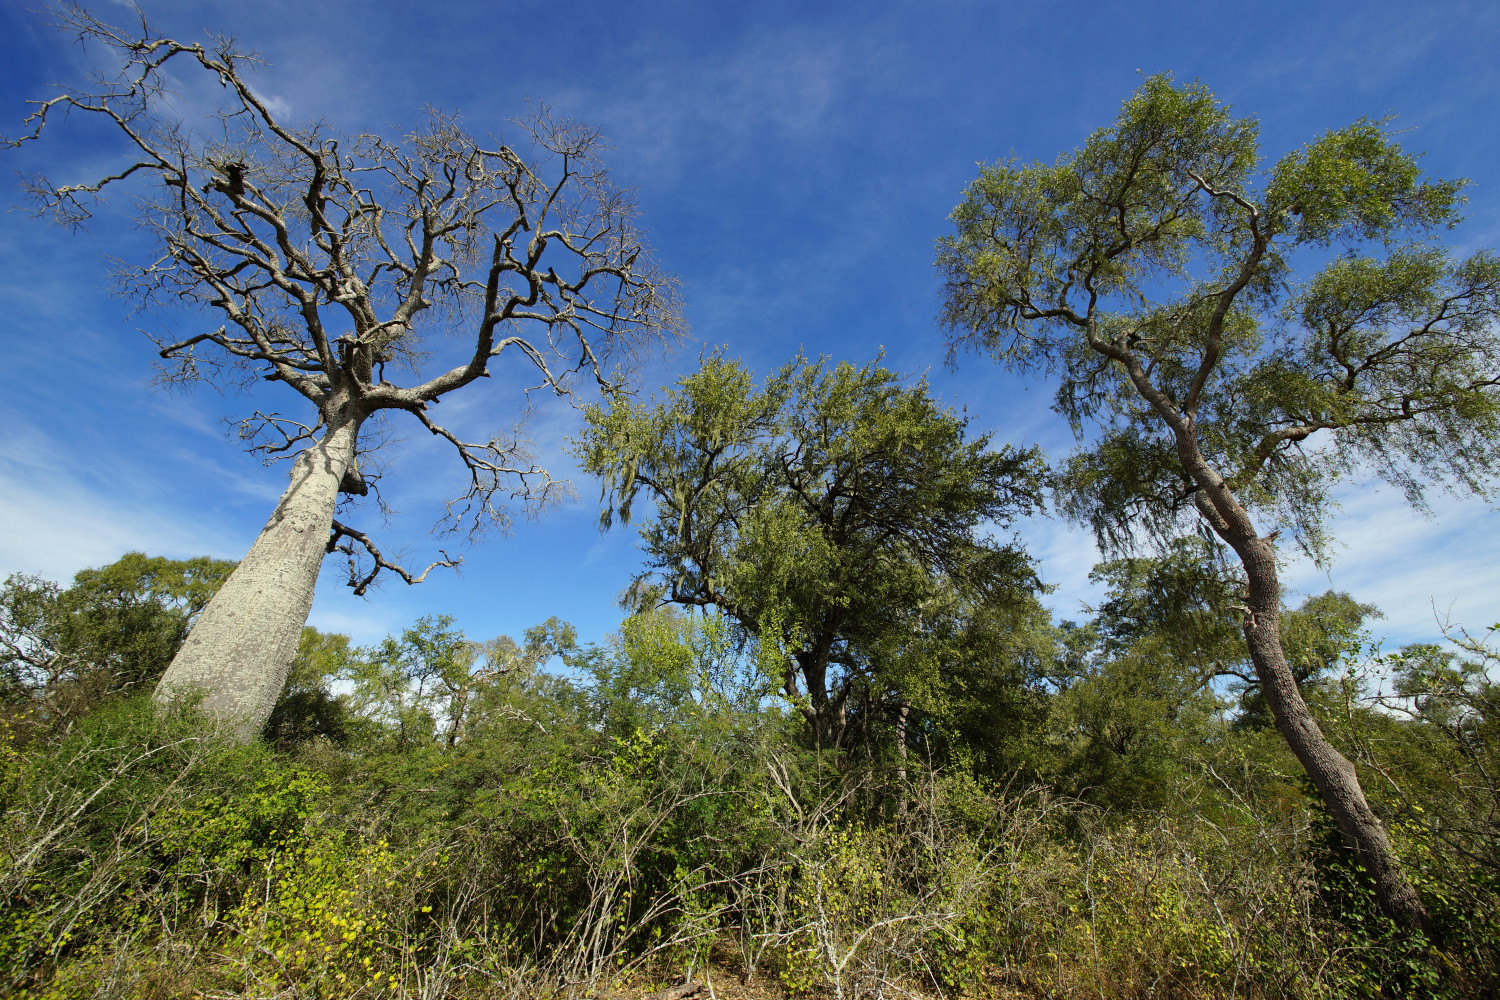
pixel 968 688
pixel 116 628
pixel 1152 269
pixel 667 667
pixel 1181 608
pixel 1134 702
pixel 508 687
pixel 1181 599
pixel 1142 697
pixel 432 683
pixel 821 512
pixel 394 683
pixel 308 708
pixel 1126 729
pixel 1447 752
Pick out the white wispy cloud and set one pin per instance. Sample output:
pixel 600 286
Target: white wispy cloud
pixel 1410 565
pixel 63 512
pixel 1417 570
pixel 58 525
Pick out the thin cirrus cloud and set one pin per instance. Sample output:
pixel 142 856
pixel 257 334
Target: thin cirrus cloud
pixel 61 520
pixel 1420 570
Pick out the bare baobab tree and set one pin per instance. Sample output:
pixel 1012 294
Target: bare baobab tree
pixel 315 255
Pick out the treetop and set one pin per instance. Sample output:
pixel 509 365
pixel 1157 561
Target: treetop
pixel 1152 271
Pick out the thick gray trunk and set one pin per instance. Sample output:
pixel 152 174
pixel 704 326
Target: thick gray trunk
pixel 241 648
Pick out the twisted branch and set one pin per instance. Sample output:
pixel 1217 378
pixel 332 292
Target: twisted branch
pixel 359 579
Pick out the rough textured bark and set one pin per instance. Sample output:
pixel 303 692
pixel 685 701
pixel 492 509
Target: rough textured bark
pixel 902 715
pixel 826 711
pixel 242 645
pixel 1331 772
pixel 815 709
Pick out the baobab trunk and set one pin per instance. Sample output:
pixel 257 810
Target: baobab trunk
pixel 241 648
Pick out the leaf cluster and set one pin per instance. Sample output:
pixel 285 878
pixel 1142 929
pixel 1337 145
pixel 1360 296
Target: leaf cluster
pixel 828 511
pixel 1153 271
pixel 115 629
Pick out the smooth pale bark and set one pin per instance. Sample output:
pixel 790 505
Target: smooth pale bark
pixel 241 648
pixel 1331 772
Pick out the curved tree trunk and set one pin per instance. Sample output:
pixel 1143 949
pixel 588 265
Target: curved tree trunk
pixel 1331 772
pixel 241 648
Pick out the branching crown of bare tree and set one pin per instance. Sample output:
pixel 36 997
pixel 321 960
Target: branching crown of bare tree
pixel 322 257
pixel 319 253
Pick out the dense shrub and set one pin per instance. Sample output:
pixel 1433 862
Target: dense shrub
pixel 455 821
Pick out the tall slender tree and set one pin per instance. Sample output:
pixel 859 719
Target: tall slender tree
pixel 1152 269
pixel 319 259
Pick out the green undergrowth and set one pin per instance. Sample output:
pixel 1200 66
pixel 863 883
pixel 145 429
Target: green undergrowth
pixel 145 856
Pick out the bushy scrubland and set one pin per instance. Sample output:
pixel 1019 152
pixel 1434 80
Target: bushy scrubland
pixel 437 818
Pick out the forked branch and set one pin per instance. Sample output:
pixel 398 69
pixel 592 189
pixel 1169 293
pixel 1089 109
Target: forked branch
pixel 360 578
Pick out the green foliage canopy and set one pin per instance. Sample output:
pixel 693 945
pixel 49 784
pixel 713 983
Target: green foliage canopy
pixel 1153 270
pixel 825 512
pixel 433 683
pixel 117 627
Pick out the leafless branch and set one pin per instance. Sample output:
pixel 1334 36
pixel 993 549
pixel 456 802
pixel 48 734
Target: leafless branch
pixel 258 428
pixel 359 578
pixel 323 258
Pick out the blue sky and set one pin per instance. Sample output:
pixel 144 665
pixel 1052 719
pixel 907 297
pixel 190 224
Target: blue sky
pixel 794 168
